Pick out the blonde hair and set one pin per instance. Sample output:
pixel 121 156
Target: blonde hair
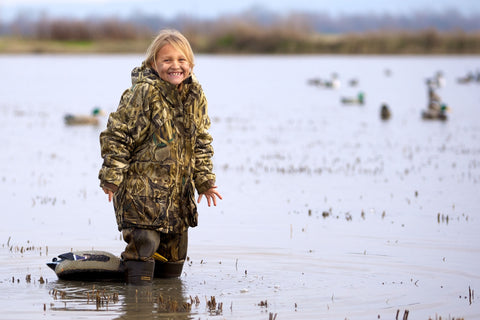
pixel 175 39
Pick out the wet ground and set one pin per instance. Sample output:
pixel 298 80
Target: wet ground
pixel 328 211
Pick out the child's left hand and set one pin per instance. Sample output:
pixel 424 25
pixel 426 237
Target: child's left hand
pixel 211 195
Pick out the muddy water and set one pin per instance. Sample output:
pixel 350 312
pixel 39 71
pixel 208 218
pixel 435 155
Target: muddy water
pixel 328 212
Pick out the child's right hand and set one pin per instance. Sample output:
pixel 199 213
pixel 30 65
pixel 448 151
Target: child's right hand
pixel 109 192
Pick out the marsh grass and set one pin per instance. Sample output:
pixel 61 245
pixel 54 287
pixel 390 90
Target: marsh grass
pixel 249 40
pixel 24 45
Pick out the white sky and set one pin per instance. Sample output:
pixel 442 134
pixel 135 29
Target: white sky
pixel 213 8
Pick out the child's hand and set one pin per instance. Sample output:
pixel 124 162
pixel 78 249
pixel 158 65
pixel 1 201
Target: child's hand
pixel 211 195
pixel 109 192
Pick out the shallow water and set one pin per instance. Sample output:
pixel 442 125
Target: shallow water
pixel 328 212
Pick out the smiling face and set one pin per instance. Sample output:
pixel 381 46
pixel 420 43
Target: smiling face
pixel 172 65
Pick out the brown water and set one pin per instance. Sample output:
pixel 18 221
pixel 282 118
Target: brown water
pixel 328 212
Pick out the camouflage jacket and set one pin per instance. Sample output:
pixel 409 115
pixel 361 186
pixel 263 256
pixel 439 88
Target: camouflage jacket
pixel 156 150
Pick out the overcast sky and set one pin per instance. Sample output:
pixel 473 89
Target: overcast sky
pixel 214 8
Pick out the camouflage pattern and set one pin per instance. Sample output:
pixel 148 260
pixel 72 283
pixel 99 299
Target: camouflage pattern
pixel 143 243
pixel 156 150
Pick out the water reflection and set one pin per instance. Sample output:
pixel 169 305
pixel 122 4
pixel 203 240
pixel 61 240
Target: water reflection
pixel 164 299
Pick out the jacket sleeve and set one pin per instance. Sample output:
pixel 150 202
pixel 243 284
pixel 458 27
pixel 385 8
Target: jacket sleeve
pixel 203 175
pixel 126 129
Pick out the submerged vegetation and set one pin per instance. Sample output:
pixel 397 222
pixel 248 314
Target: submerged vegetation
pixel 236 35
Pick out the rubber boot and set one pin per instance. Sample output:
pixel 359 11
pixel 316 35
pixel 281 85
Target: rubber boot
pixel 139 272
pixel 168 269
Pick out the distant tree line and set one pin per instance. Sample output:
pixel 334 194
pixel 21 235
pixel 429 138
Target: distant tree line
pixel 260 31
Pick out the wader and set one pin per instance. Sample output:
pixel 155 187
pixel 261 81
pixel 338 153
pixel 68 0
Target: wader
pixel 150 253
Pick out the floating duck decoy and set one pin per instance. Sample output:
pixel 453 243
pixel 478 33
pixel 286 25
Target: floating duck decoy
pixel 87 265
pixel 94 265
pixel 441 114
pixel 333 83
pixel 315 82
pixel 93 119
pixel 359 99
pixel 467 79
pixel 438 80
pixel 436 108
pixel 353 82
pixel 385 113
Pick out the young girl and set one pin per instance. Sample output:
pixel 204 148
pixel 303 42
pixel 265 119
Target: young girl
pixel 157 151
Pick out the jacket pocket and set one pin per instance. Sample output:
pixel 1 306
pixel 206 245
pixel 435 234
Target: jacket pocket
pixel 145 211
pixel 146 200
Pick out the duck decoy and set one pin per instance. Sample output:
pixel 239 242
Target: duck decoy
pixel 436 114
pixel 359 99
pixel 385 113
pixel 93 119
pixel 436 109
pixel 95 265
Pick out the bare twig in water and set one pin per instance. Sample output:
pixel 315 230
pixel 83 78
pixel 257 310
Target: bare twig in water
pixel 471 295
pixel 263 304
pixel 213 307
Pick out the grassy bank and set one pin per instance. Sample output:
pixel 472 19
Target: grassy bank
pixel 29 46
pixel 266 42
